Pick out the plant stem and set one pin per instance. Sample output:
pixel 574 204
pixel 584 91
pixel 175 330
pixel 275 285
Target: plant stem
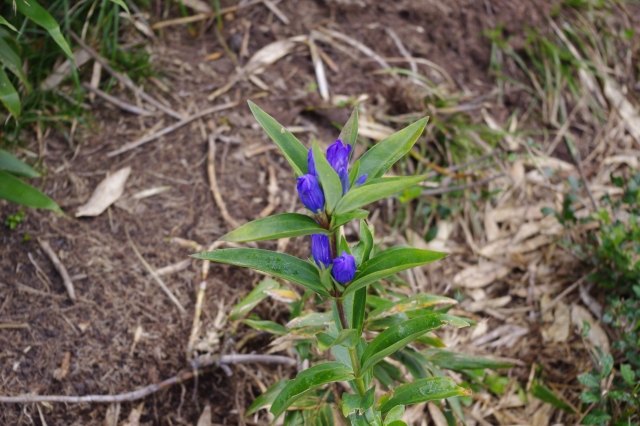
pixel 355 364
pixel 353 352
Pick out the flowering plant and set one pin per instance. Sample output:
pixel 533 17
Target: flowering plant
pixel 340 274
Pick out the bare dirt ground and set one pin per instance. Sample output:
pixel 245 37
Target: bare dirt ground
pixel 123 332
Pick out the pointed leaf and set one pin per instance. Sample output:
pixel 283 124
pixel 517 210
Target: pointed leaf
pixel 358 309
pixel 307 381
pixel 390 262
pixel 277 264
pixel 381 157
pixel 399 335
pixel 628 374
pixel 347 338
pixel 329 179
pixel 5 22
pixel 340 219
pixel 349 133
pixel 311 319
pixel 12 61
pixel 8 95
pixel 292 148
pixel 419 301
pixel 285 225
pixel 458 361
pixel 253 298
pixel 268 326
pixel 13 165
pixel 545 394
pixel 367 194
pixel 422 390
pixel 267 398
pixel 14 190
pixel 394 414
pixel 123 5
pixel 32 10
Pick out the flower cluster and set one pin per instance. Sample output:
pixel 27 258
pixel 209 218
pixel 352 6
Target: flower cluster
pixel 312 196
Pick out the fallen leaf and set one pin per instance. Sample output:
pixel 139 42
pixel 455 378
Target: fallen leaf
pixel 205 417
pixel 558 331
pixel 481 275
pixel 596 335
pixel 106 193
pixel 62 71
pixel 112 415
pixel 436 415
pixel 628 113
pixel 134 416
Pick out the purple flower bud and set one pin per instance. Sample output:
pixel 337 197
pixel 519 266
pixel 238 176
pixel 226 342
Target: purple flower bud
pixel 344 268
pixel 321 250
pixel 338 157
pixel 311 164
pixel 361 180
pixel 310 193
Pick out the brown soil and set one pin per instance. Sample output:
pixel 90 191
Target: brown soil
pixel 116 294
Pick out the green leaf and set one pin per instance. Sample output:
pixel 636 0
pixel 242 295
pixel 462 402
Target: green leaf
pixel 422 390
pixel 340 219
pixel 13 165
pixel 349 133
pixel 589 380
pixel 32 10
pixel 5 22
pixel 268 326
pixel 350 404
pixel 431 340
pixel 122 5
pixel 358 309
pixel 277 264
pixel 370 192
pixel 419 301
pixel 628 374
pixel 589 397
pixel 394 414
pixel 12 61
pixel 8 94
pixel 398 336
pixel 596 418
pixel 267 398
pixel 545 394
pixel 14 190
pixel 459 361
pixel 292 148
pixel 381 157
pixel 253 298
pixel 607 365
pixel 329 179
pixel 390 262
pixel 362 250
pixel 323 416
pixel 309 380
pixel 283 225
pixel 311 319
pixel 347 338
pixel 396 423
pixel 293 418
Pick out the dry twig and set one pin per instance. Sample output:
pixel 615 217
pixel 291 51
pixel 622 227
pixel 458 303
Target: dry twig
pixel 211 170
pixel 59 267
pixel 124 80
pixel 153 273
pixel 148 390
pixel 117 102
pixel 169 129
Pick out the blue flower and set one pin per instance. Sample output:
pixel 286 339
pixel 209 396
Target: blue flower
pixel 361 180
pixel 310 193
pixel 311 164
pixel 321 250
pixel 338 157
pixel 344 268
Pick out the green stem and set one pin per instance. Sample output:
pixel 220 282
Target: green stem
pixel 355 364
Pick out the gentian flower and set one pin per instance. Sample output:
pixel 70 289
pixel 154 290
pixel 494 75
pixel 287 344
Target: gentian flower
pixel 321 250
pixel 361 180
pixel 311 164
pixel 310 193
pixel 338 157
pixel 344 268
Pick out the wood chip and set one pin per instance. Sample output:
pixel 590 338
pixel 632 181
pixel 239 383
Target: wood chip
pixel 481 275
pixel 596 335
